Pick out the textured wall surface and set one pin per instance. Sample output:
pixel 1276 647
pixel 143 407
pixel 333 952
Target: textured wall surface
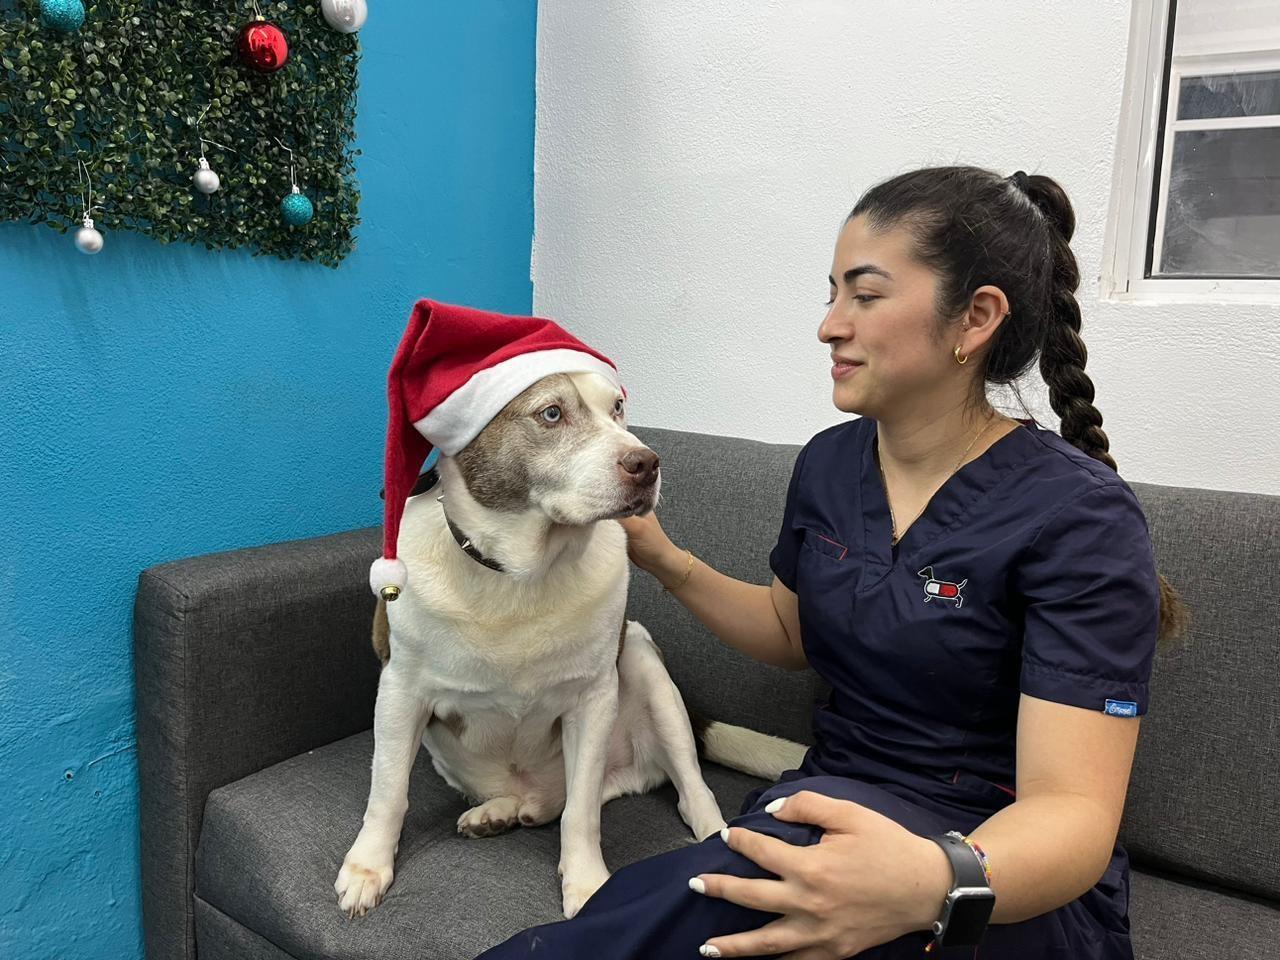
pixel 693 163
pixel 165 401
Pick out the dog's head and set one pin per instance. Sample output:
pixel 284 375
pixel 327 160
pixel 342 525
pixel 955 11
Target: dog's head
pixel 562 447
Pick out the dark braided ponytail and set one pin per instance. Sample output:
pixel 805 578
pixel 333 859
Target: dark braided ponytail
pixel 1063 354
pixel 975 227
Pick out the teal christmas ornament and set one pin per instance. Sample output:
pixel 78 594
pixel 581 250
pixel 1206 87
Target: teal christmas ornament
pixel 64 15
pixel 296 208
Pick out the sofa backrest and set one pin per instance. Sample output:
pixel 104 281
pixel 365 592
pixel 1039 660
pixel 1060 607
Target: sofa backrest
pixel 722 498
pixel 1204 798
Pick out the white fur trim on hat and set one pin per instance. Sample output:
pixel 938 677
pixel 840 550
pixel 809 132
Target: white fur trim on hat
pixel 458 419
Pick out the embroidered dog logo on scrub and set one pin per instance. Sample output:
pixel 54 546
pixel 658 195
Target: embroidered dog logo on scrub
pixel 942 589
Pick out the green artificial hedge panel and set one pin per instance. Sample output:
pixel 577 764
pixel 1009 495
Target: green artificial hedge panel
pixel 123 94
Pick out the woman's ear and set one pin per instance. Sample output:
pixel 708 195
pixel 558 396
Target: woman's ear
pixel 987 310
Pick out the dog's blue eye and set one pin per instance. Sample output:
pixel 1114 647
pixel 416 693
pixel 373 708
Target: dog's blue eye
pixel 551 414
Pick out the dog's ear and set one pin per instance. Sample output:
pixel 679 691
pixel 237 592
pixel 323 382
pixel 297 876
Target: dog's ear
pixel 425 482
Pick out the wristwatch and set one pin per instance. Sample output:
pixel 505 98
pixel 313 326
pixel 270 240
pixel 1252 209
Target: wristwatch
pixel 968 906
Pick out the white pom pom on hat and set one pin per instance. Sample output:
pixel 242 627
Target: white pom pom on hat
pixel 454 371
pixel 388 573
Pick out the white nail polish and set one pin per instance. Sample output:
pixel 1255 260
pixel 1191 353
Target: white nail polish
pixel 707 950
pixel 696 885
pixel 724 835
pixel 775 805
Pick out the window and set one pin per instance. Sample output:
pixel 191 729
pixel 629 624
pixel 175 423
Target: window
pixel 1196 209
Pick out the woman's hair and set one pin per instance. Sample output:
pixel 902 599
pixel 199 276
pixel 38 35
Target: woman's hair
pixel 973 227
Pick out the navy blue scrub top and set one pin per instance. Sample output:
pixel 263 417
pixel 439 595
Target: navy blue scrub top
pixel 1030 571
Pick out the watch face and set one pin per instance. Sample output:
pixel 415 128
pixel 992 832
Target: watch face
pixel 968 918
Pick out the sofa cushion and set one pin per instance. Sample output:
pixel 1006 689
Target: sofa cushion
pixel 1203 798
pixel 1170 919
pixel 272 844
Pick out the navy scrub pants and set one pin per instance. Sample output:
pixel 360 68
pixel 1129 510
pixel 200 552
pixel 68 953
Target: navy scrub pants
pixel 646 911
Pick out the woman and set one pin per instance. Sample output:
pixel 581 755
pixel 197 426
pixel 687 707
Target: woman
pixel 979 592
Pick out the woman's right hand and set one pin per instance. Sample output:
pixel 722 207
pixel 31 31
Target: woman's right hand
pixel 648 545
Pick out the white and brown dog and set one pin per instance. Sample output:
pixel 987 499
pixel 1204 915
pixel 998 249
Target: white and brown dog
pixel 512 659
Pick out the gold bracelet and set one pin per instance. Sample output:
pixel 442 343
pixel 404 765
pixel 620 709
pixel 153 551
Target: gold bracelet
pixel 687 571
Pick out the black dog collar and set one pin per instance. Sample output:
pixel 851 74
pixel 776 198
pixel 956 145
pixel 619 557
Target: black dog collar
pixel 470 548
pixel 425 482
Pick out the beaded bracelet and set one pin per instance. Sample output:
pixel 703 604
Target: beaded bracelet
pixel 982 857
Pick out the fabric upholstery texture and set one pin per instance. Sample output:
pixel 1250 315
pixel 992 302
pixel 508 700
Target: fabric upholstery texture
pixel 273 842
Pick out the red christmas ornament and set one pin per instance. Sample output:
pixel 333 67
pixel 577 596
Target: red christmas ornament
pixel 262 46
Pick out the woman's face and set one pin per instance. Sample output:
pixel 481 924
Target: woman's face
pixel 882 317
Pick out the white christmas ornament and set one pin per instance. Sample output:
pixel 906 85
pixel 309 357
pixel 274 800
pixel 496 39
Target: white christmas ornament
pixel 345 16
pixel 205 179
pixel 88 240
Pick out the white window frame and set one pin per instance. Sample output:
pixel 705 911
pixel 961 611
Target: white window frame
pixel 1128 222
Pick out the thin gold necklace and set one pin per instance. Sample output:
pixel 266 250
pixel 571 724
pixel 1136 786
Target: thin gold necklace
pixel 885 483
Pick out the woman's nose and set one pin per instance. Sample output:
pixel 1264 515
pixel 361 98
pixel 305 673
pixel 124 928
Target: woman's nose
pixel 831 329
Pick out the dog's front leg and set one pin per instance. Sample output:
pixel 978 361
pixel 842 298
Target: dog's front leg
pixel 399 719
pixel 587 727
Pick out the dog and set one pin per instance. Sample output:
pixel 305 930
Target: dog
pixel 512 660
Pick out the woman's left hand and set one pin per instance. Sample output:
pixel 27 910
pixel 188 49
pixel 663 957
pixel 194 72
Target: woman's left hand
pixel 868 880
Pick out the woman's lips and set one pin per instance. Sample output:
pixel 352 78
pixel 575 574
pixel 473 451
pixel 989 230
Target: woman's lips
pixel 841 369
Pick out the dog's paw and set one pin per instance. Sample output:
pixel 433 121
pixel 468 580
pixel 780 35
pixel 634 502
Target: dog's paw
pixel 578 885
pixel 490 818
pixel 361 887
pixel 708 826
pixel 536 810
pixel 705 821
pixel 699 809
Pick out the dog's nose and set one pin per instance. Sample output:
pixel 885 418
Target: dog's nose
pixel 640 466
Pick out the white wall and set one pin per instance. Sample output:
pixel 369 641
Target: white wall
pixel 693 163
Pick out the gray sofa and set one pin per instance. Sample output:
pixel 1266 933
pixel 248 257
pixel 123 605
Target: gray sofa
pixel 255 689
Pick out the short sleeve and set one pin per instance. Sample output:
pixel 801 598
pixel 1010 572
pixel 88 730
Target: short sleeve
pixel 786 552
pixel 1092 604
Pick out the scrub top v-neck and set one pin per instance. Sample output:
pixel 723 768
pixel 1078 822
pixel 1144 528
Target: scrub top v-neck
pixel 1029 571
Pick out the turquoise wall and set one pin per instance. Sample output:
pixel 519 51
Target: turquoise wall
pixel 166 401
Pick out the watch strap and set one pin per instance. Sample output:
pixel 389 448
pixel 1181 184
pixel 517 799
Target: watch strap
pixel 965 865
pixel 967 908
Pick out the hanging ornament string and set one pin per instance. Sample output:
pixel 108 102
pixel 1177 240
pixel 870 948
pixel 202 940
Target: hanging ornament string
pixel 86 207
pixel 293 179
pixel 205 179
pixel 203 139
pixel 295 208
pixel 88 239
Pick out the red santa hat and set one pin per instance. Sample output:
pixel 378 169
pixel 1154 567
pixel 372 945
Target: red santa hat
pixel 455 369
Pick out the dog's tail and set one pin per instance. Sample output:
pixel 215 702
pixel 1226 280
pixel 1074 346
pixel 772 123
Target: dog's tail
pixel 749 751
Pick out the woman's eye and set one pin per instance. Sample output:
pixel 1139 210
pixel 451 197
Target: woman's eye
pixel 617 407
pixel 860 297
pixel 551 414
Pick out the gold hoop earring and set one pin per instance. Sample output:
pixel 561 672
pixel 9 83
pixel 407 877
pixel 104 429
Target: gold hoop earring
pixel 958 360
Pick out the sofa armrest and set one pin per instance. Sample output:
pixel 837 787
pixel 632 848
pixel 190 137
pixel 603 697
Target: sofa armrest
pixel 241 659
